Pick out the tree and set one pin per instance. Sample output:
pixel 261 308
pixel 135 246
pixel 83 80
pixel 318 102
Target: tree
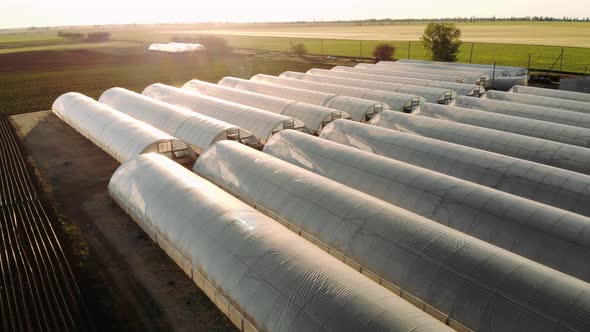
pixel 299 49
pixel 384 52
pixel 97 37
pixel 442 41
pixel 215 45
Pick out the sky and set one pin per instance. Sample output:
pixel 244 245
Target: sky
pixel 25 13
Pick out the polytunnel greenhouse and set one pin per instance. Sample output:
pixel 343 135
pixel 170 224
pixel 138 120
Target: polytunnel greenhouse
pixel 434 267
pixel 545 184
pixel 396 101
pixel 564 104
pixel 118 134
pixel 570 95
pixel 257 272
pixel 358 109
pixel 433 95
pixel 512 124
pixel 513 71
pixel 314 117
pixel 490 215
pixel 260 123
pixel 468 77
pixel 570 157
pixel 198 130
pixel 399 73
pixel 473 70
pixel 459 88
pixel 553 115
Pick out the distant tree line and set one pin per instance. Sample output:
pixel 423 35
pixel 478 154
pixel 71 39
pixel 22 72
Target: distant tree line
pixel 386 21
pixel 93 37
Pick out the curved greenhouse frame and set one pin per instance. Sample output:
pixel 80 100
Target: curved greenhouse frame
pixel 431 265
pixel 261 123
pixel 257 272
pixel 358 109
pixel 512 124
pixel 570 157
pixel 199 131
pixel 570 95
pixel 522 226
pixel 462 89
pixel 545 184
pixel 564 104
pixel 396 101
pixel 314 117
pixel 433 95
pixel 119 135
pixel 570 118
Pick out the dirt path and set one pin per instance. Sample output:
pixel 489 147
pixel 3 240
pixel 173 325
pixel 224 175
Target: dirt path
pixel 128 282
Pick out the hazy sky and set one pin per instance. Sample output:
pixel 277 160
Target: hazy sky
pixel 23 13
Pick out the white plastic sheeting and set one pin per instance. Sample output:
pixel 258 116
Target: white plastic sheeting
pixel 358 109
pixel 399 73
pixel 198 130
pixel 396 101
pixel 118 134
pixel 475 70
pixel 434 264
pixel 554 115
pixel 570 157
pixel 460 88
pixel 513 71
pixel 512 124
pixel 191 47
pixel 479 78
pixel 545 184
pixel 433 95
pixel 176 47
pixel 261 123
pixel 529 90
pixel 314 117
pixel 522 226
pixel 260 274
pixel 564 104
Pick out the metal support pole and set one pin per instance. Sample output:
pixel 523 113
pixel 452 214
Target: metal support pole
pixel 409 44
pixel 290 46
pixel 471 55
pixel 493 75
pixel 529 65
pixel 361 48
pixel 321 46
pixel 561 61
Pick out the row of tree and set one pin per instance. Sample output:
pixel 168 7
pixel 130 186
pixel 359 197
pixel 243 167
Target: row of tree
pixel 93 37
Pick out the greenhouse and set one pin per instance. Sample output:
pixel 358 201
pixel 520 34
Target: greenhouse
pixel 118 134
pixel 570 118
pixel 389 244
pixel 503 70
pixel 512 124
pixel 570 157
pixel 396 101
pixel 564 104
pixel 358 109
pixel 473 70
pixel 479 77
pixel 460 88
pixel 262 276
pixel 570 95
pixel 260 123
pixel 314 117
pixel 400 73
pixel 433 95
pixel 545 184
pixel 198 130
pixel 516 224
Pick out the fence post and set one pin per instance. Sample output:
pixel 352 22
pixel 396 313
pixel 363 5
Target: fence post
pixel 471 55
pixel 321 46
pixel 361 48
pixel 409 45
pixel 529 64
pixel 561 61
pixel 493 75
pixel 290 46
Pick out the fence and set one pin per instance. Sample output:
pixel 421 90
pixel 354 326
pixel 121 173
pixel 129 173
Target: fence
pixel 536 57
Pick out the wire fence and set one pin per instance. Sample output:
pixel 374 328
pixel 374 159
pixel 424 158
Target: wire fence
pixel 535 57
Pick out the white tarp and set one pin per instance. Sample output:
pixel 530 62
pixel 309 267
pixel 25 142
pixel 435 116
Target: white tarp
pixel 118 134
pixel 314 117
pixel 522 226
pixel 441 267
pixel 196 129
pixel 255 270
pixel 261 123
pixel 570 157
pixel 545 184
pixel 358 109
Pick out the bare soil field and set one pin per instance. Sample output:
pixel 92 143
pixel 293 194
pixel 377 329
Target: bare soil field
pixel 128 283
